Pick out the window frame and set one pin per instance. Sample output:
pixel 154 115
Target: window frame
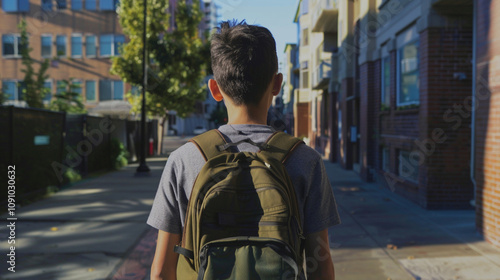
pixel 80 82
pixel 114 48
pixel 95 100
pixel 46 6
pixel 61 4
pixel 88 7
pixel 96 47
pixel 17 43
pixel 45 101
pixel 399 74
pixel 19 6
pixel 114 3
pixel 80 7
pixel 112 89
pixel 16 90
pixel 50 45
pixel 76 35
pixel 65 45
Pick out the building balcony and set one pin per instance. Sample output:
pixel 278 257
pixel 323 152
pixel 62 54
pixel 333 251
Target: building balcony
pixel 325 16
pixel 321 75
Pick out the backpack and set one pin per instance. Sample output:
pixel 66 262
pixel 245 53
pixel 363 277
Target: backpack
pixel 242 219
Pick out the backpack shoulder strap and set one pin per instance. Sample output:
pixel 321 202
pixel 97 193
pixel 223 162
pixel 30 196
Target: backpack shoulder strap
pixel 280 145
pixel 208 143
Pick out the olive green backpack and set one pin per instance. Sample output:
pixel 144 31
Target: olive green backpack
pixel 242 220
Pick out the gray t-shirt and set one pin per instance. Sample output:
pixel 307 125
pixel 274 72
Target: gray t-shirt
pixel 305 168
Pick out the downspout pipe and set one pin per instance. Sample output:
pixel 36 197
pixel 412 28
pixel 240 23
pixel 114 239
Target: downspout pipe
pixel 474 101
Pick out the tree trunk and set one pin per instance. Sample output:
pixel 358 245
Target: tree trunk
pixel 161 129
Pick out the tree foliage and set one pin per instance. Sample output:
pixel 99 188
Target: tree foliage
pixel 68 99
pixel 33 90
pixel 177 56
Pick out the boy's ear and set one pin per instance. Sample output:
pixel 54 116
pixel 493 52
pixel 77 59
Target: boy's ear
pixel 278 80
pixel 215 90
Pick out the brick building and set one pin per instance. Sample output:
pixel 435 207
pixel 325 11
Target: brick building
pixel 486 119
pixel 79 37
pixel 413 92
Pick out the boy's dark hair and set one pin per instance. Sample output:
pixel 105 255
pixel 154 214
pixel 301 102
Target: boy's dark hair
pixel 244 60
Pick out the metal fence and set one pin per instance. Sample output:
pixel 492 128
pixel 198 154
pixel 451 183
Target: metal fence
pixel 44 144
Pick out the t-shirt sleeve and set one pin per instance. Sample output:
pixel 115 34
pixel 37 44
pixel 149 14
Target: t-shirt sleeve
pixel 320 207
pixel 164 213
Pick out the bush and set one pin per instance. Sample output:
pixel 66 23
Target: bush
pixel 118 154
pixel 72 176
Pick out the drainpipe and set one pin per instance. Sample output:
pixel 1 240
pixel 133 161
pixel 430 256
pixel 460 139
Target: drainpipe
pixel 473 120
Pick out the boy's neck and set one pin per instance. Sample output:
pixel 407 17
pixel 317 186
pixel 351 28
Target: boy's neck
pixel 246 115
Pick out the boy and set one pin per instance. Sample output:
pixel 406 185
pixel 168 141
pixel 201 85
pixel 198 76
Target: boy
pixel 245 67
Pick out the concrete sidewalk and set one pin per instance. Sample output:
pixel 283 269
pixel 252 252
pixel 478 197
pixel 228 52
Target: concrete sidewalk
pixel 384 236
pixel 87 231
pixel 97 230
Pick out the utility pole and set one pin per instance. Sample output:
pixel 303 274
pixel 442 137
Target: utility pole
pixel 143 168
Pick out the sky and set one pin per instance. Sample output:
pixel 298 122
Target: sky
pixel 275 15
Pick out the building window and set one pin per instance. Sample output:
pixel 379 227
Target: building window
pixel 109 44
pixel 61 4
pixel 108 5
pixel 110 90
pixel 305 37
pixel 47 5
pixel 90 47
pixel 13 6
pixel 11 45
pixel 90 91
pixel 61 87
pixel 117 90
pixel 76 45
pixel 10 89
pixel 76 5
pixel 386 82
pixel 304 79
pixel 118 41
pixel 90 5
pixel 386 159
pixel 408 75
pixel 407 168
pixel 48 86
pixel 61 45
pixel 46 46
pixel 76 87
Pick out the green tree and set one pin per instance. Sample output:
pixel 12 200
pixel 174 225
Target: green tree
pixel 68 99
pixel 177 56
pixel 34 91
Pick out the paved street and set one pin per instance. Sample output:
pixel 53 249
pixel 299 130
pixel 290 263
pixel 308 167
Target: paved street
pixel 96 230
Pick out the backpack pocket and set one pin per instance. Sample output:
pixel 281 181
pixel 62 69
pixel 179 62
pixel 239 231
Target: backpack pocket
pixel 247 258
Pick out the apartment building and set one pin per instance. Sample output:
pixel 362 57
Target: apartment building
pixel 78 37
pixel 414 105
pixel 317 40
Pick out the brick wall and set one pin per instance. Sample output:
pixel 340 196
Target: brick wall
pixel 487 124
pixel 397 130
pixel 345 147
pixel 446 87
pixel 368 109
